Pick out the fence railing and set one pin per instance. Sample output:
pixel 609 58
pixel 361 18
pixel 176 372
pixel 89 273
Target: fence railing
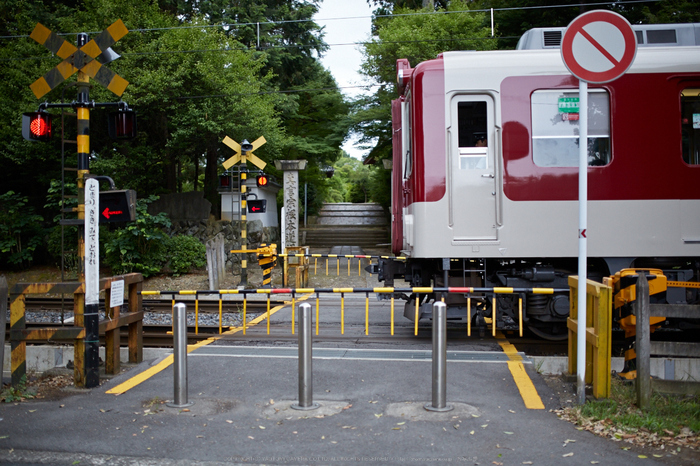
pixel 469 292
pixel 598 333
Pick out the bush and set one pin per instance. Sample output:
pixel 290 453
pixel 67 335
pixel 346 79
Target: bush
pixel 20 230
pixel 141 245
pixel 185 253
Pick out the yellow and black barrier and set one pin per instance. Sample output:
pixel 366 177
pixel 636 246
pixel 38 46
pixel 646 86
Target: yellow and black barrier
pixel 337 258
pixel 470 292
pixel 19 334
pixel 598 336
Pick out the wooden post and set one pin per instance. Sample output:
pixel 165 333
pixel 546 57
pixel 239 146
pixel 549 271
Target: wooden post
pixel 112 343
pixel 135 328
pixel 642 345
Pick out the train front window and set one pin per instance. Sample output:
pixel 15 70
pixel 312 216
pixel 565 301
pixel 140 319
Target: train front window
pixel 690 125
pixel 472 133
pixel 555 128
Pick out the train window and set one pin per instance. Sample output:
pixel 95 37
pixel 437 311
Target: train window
pixel 472 135
pixel 690 125
pixel 555 126
pixel 406 138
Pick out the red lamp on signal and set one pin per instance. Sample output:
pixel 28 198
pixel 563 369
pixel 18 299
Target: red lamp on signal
pixel 36 126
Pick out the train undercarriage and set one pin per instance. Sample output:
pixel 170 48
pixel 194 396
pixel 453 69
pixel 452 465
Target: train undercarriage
pixel 545 315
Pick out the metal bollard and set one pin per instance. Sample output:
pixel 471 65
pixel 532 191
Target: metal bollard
pixel 439 359
pixel 180 356
pixel 306 392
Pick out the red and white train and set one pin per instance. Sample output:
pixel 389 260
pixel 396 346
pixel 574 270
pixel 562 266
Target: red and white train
pixel 485 172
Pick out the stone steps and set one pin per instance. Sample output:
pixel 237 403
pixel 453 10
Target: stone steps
pixel 347 224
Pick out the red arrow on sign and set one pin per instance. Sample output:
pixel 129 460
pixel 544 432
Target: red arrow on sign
pixel 108 212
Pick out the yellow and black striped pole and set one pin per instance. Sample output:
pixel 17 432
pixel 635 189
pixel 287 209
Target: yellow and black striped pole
pixel 244 212
pixel 86 368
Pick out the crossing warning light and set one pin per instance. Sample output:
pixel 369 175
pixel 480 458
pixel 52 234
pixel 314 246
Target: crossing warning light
pixel 122 124
pixel 36 126
pixel 257 206
pixel 262 180
pixel 117 206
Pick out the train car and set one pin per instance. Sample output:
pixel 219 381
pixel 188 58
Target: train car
pixel 485 173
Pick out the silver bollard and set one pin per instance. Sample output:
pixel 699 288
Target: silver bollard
pixel 439 359
pixel 306 390
pixel 180 357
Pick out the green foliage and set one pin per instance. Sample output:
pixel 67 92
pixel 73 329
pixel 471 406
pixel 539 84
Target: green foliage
pixel 20 230
pixel 140 246
pixel 185 253
pixel 14 394
pixel 54 203
pixel 417 38
pixel 667 413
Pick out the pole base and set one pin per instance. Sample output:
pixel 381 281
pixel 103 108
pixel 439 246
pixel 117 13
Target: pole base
pixel 299 407
pixel 173 405
pixel 430 407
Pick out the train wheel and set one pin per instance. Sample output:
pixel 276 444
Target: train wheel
pixel 554 331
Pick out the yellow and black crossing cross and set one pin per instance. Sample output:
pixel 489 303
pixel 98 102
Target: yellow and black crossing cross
pixel 79 59
pixel 247 157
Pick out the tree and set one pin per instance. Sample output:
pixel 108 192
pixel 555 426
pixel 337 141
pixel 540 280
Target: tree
pixel 417 38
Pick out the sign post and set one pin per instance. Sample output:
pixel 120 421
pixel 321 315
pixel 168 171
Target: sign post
pixel 92 283
pixel 597 47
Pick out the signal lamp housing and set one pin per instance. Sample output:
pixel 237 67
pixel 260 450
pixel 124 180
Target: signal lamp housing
pixel 36 126
pixel 122 124
pixel 262 180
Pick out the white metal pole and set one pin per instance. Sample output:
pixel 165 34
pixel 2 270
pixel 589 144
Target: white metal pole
pixel 582 251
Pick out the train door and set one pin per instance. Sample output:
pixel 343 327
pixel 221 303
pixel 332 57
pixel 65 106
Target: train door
pixel 472 169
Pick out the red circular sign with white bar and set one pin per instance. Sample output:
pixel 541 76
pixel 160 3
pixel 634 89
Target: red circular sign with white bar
pixel 599 46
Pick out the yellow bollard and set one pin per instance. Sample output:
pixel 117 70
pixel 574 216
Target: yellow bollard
pixel 196 316
pixel 367 314
pixel 520 314
pixel 392 314
pixel 469 317
pixel 494 312
pixel 415 332
pixel 317 308
pixel 245 302
pixel 293 301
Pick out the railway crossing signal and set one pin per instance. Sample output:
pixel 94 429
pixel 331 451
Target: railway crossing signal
pixel 257 206
pixel 36 126
pixel 248 149
pixel 262 180
pixel 89 59
pixel 117 206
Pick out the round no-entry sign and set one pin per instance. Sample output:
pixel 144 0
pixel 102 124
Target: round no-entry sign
pixel 598 46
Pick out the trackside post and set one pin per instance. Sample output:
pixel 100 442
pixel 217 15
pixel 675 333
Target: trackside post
pixel 439 402
pixel 180 357
pixel 306 391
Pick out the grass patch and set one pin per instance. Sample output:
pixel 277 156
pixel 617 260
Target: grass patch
pixel 671 420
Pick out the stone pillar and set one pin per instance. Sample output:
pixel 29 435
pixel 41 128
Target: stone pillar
pixel 291 198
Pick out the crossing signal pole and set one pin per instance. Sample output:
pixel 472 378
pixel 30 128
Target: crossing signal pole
pixel 88 60
pixel 244 154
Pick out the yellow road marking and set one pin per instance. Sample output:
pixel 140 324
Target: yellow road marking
pixel 165 363
pixel 527 389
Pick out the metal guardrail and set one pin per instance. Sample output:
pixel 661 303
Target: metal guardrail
pixel 469 292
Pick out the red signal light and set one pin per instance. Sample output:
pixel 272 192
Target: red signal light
pixel 36 126
pixel 262 180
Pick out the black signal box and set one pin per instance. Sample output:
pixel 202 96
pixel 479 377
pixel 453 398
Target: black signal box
pixel 117 206
pixel 257 206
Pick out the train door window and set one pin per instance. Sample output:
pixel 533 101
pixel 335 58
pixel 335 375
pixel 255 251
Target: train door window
pixel 406 138
pixel 472 135
pixel 555 128
pixel 690 125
